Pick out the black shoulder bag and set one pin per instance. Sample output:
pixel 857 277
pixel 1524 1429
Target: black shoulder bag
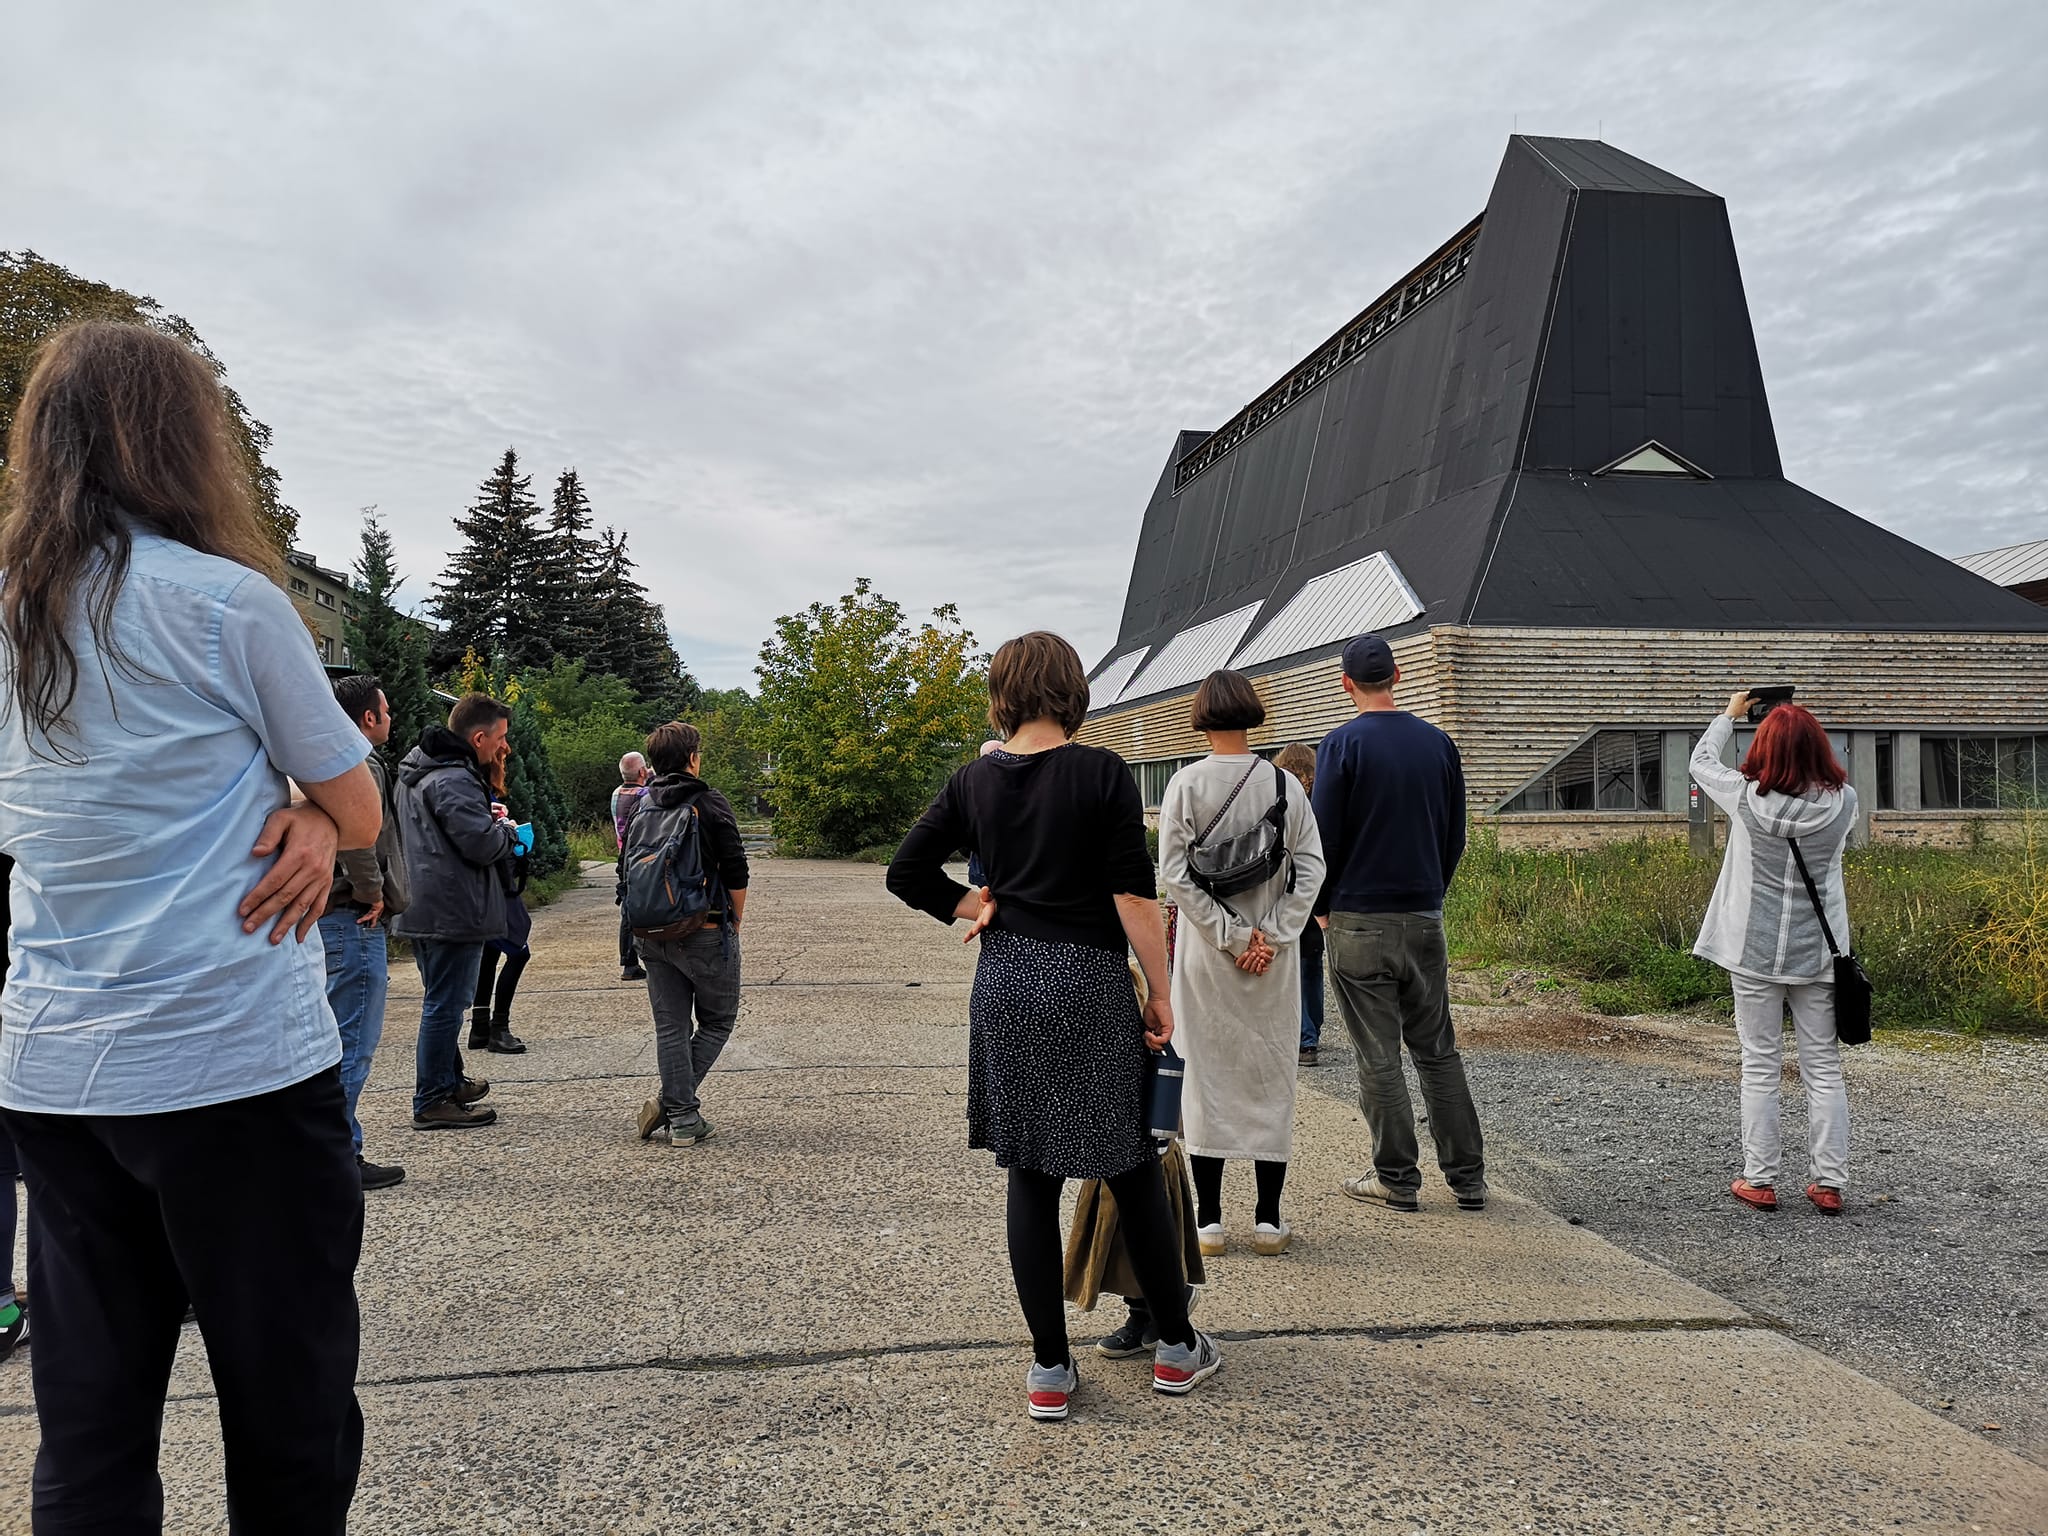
pixel 1852 982
pixel 1252 857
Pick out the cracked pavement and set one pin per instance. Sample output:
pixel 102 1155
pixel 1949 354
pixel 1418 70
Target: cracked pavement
pixel 806 1323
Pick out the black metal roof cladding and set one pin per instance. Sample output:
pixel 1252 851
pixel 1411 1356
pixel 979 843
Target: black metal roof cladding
pixel 1602 307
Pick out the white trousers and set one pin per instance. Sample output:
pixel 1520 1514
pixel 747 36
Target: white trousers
pixel 1760 1023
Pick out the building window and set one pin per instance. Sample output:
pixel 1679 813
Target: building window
pixel 348 611
pixel 1982 773
pixel 327 648
pixel 1611 771
pixel 299 587
pixel 1153 777
pixel 324 599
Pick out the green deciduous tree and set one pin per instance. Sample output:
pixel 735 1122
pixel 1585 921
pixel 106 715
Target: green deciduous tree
pixel 864 717
pixel 391 644
pixel 733 759
pixel 38 297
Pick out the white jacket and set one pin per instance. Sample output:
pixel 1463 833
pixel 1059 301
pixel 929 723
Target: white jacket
pixel 1761 921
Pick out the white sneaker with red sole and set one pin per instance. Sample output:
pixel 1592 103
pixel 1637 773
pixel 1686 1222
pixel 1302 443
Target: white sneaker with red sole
pixel 1050 1386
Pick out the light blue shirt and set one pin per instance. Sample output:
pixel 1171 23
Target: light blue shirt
pixel 133 989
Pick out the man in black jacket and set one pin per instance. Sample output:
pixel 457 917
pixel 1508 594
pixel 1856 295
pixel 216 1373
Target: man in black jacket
pixel 458 852
pixel 701 972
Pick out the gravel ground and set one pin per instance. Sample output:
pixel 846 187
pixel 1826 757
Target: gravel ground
pixel 1935 1280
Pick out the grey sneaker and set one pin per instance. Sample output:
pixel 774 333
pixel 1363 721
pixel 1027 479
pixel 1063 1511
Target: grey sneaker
pixel 686 1133
pixel 1373 1191
pixel 1180 1368
pixel 1473 1199
pixel 1049 1387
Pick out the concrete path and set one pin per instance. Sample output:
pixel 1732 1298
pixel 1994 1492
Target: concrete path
pixel 806 1324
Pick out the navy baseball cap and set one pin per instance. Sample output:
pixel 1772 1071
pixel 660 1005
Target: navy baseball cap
pixel 1369 659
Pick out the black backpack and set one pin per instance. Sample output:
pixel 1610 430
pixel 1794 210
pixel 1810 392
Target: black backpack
pixel 669 891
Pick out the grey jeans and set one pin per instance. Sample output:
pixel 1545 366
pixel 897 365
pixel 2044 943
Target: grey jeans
pixel 700 974
pixel 1388 970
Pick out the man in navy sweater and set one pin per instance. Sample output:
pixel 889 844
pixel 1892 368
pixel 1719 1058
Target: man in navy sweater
pixel 1390 804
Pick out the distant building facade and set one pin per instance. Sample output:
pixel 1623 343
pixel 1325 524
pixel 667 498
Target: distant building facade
pixel 327 599
pixel 1543 464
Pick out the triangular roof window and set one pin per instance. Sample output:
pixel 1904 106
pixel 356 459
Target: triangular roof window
pixel 1653 458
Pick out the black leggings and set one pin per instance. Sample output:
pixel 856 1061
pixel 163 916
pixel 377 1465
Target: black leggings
pixel 507 984
pixel 1145 1221
pixel 1208 1176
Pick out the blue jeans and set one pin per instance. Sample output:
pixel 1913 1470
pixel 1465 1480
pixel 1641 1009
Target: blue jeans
pixel 448 972
pixel 1312 985
pixel 358 975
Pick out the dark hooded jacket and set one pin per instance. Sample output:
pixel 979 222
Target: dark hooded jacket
pixel 458 857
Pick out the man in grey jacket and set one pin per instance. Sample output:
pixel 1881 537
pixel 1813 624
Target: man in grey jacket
pixel 458 850
pixel 369 887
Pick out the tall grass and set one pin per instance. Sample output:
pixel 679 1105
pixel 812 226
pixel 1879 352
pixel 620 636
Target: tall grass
pixel 592 840
pixel 1952 939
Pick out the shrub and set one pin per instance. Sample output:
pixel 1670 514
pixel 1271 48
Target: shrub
pixel 1954 939
pixel 585 753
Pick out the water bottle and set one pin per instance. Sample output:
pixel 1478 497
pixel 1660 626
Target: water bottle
pixel 1163 1072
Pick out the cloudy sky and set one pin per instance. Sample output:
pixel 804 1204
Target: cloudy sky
pixel 922 292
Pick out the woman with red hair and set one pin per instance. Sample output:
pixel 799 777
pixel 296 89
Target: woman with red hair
pixel 1789 800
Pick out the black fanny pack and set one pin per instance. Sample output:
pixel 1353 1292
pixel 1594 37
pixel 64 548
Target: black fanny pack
pixel 1251 858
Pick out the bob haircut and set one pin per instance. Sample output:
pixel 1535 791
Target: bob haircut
pixel 1227 701
pixel 1036 676
pixel 670 747
pixel 1299 759
pixel 1792 754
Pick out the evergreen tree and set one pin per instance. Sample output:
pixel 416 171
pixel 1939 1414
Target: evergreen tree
pixel 391 644
pixel 488 600
pixel 630 636
pixel 567 566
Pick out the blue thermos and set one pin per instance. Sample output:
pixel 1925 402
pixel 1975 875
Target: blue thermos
pixel 1163 1071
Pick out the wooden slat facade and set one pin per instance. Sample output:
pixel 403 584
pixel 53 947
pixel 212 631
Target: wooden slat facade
pixel 1516 700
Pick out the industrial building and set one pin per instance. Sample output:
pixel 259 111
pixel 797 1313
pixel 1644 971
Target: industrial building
pixel 1543 464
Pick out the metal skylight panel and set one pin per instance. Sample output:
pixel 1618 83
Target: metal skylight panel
pixel 1193 654
pixel 1108 685
pixel 1355 599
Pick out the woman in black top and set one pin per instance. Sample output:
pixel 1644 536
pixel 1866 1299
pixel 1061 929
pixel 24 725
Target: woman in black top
pixel 1056 1044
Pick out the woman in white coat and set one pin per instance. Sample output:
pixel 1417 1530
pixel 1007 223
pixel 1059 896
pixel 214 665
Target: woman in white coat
pixel 1236 968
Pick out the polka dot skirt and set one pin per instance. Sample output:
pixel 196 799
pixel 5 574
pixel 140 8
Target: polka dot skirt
pixel 1055 1059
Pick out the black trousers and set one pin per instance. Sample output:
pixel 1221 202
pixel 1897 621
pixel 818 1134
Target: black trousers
pixel 252 1210
pixel 1153 1241
pixel 494 988
pixel 629 954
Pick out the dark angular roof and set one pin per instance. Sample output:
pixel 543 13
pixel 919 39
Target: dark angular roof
pixel 1457 423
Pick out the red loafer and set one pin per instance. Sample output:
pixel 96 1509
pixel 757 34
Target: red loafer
pixel 1761 1196
pixel 1827 1201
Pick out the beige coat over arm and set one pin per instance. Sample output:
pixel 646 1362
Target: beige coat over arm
pixel 1240 1033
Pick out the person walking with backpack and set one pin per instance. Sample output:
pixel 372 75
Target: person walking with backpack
pixel 684 872
pixel 1789 802
pixel 1239 855
pixel 458 850
pixel 1390 801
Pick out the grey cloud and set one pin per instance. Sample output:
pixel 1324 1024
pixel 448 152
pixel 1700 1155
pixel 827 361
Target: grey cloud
pixel 923 292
